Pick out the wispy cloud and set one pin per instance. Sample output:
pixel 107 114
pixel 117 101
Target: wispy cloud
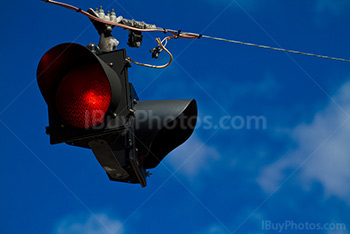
pixel 322 149
pixel 89 224
pixel 213 229
pixel 193 157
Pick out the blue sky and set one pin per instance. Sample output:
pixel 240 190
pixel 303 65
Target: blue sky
pixel 224 179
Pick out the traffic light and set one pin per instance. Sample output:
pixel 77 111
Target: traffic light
pixel 91 104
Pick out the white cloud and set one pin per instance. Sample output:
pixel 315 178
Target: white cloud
pixel 193 157
pixel 213 229
pixel 323 150
pixel 216 229
pixel 255 222
pixel 89 224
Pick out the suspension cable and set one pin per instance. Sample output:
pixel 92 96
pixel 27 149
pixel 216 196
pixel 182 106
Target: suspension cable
pixel 186 35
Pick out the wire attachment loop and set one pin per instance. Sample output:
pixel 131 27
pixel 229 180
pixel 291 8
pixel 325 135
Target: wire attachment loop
pixel 160 44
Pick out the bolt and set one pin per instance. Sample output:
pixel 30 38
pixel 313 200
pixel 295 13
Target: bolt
pixel 130 144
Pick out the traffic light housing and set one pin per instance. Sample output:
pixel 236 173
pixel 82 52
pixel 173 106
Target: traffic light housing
pixel 91 104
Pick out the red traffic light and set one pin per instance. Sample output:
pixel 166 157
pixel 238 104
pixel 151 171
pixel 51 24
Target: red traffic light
pixel 91 104
pixel 79 88
pixel 83 96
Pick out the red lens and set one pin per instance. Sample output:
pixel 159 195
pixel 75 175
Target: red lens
pixel 83 96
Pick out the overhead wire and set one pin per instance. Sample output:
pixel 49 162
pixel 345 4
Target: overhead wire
pixel 188 35
pixel 276 48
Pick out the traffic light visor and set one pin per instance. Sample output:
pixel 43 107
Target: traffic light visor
pixel 161 126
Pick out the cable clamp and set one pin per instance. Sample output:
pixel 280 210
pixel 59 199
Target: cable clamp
pixel 178 34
